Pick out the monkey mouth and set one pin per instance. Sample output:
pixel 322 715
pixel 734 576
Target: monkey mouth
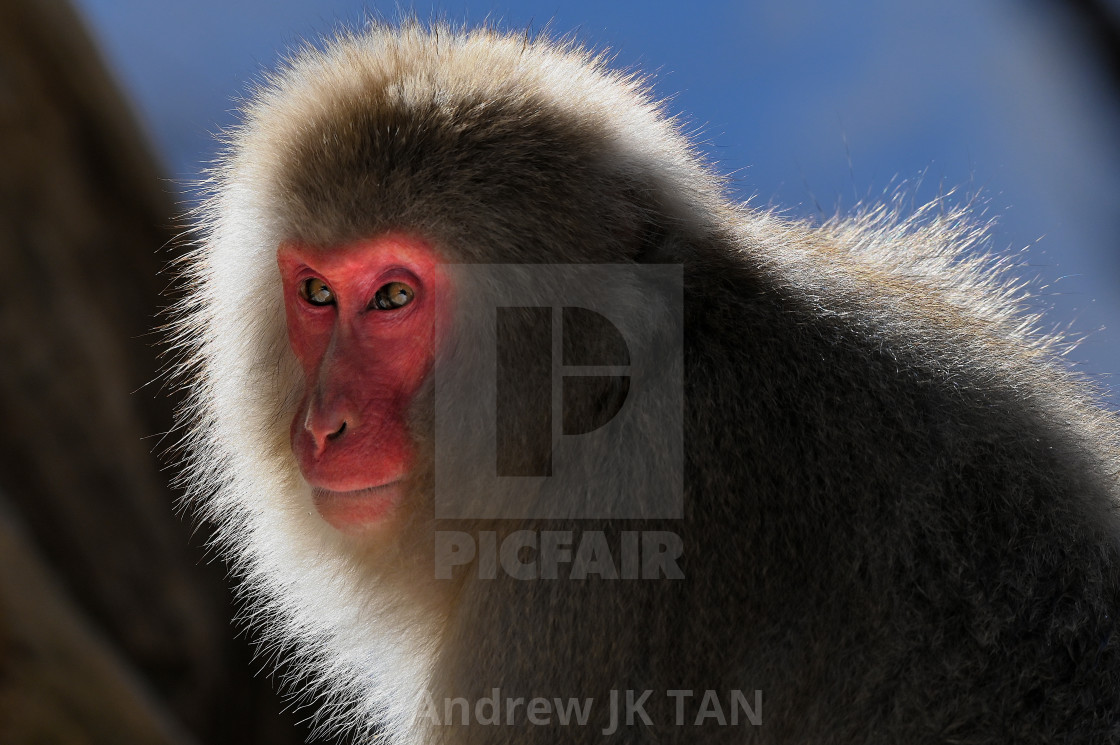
pixel 355 511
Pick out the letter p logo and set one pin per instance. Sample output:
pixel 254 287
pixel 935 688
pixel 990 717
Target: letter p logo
pixel 593 381
pixel 559 392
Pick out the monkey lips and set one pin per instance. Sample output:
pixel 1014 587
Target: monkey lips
pixel 349 512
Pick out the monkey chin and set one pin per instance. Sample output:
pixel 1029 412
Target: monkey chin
pixel 360 511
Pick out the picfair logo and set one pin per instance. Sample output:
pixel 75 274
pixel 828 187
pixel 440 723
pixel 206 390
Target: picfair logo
pixel 559 393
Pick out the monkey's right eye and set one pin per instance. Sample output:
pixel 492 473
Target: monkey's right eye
pixel 316 291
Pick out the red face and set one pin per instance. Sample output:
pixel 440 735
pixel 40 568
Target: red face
pixel 361 321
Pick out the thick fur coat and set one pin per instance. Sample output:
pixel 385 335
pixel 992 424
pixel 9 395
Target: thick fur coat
pixel 900 505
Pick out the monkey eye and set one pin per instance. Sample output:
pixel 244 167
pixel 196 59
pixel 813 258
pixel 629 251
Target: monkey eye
pixel 392 296
pixel 316 291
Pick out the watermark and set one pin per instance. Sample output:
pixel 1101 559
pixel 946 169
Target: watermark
pixel 560 554
pixel 559 393
pixel 623 708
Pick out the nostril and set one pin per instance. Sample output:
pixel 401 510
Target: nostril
pixel 326 424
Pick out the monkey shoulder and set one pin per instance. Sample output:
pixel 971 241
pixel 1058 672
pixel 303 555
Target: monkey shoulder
pixel 945 440
pixel 934 483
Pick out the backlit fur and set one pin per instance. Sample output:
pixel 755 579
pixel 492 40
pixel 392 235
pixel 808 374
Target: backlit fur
pixel 900 516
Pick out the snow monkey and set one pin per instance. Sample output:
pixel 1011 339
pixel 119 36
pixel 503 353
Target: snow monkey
pixel 516 428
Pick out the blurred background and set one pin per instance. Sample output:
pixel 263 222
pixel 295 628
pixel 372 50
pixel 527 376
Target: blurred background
pixel 114 622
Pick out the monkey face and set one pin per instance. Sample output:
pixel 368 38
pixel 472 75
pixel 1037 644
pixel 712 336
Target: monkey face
pixel 361 321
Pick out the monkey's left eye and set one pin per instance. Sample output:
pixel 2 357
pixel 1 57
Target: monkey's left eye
pixel 316 291
pixel 392 296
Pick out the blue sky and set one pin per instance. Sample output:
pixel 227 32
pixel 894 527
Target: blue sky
pixel 812 106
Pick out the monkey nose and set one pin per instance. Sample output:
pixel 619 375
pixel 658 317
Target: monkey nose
pixel 325 426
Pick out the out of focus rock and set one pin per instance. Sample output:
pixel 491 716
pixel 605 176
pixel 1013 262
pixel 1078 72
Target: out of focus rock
pixel 133 611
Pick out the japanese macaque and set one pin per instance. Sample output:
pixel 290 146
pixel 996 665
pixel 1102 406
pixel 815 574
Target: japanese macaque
pixel 518 430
